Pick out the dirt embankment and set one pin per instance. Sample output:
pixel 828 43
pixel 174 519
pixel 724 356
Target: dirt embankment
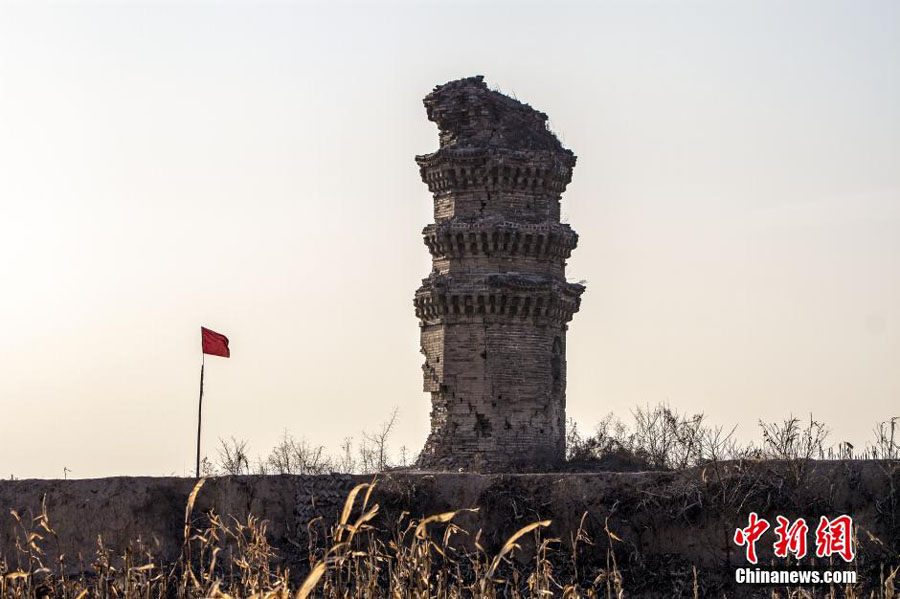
pixel 666 523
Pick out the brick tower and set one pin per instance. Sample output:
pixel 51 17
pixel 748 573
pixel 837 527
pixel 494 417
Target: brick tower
pixel 494 309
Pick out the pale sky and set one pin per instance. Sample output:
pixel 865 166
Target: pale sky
pixel 249 167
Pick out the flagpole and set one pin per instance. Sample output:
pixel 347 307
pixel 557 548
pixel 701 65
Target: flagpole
pixel 200 412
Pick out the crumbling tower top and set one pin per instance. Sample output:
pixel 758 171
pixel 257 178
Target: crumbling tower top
pixel 469 115
pixel 497 158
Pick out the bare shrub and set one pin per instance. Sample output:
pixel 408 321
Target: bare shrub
pixel 669 440
pixel 716 445
pixel 887 443
pixel 233 456
pixel 660 438
pixel 345 462
pixel 791 440
pixel 208 467
pixel 297 456
pixel 611 446
pixel 373 449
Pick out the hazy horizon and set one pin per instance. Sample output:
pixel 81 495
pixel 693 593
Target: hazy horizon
pixel 249 168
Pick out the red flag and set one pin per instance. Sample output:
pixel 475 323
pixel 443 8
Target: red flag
pixel 214 344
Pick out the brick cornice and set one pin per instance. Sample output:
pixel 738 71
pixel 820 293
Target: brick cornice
pixel 463 169
pixel 457 239
pixel 497 298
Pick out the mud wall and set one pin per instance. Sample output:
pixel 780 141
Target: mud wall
pixel 668 523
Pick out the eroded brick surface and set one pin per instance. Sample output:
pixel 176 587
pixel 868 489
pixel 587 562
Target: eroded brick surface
pixel 494 309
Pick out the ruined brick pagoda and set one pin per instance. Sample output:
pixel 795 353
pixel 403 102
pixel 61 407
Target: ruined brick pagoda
pixel 493 312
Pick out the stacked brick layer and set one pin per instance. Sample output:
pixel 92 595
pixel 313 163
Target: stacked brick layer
pixel 493 312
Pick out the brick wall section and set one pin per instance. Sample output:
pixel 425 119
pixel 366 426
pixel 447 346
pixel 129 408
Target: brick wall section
pixel 494 310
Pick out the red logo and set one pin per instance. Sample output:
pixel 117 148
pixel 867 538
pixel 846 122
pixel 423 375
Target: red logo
pixel 791 539
pixel 748 536
pixel 835 536
pixel 832 537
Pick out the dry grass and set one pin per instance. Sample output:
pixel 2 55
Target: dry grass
pixel 423 559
